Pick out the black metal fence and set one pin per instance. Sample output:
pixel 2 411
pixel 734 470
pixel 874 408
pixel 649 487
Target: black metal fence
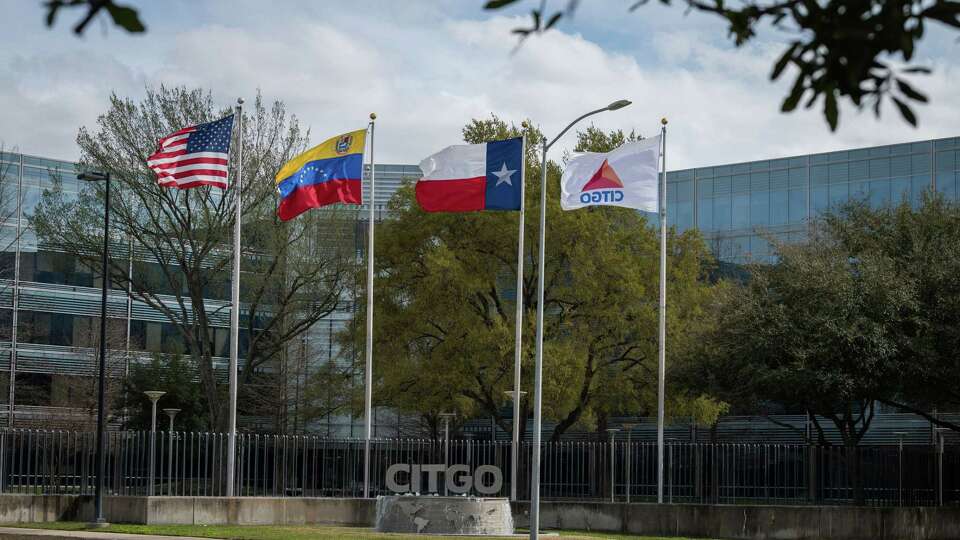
pixel 193 464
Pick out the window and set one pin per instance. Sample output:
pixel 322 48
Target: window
pixel 899 190
pixel 879 193
pixel 705 188
pixel 760 208
pixel 859 191
pixel 741 211
pixel 33 388
pixel 684 190
pixel 779 212
pixel 839 172
pixel 798 205
pixel 920 163
pixel 741 248
pixel 759 249
pixel 798 177
pixel 759 181
pixel 705 214
pixel 946 184
pixel 880 168
pixel 946 161
pixel 6 324
pixel 684 220
pixel 29 199
pixel 55 267
pixel 839 194
pixel 918 185
pixel 819 200
pixel 722 213
pixel 819 175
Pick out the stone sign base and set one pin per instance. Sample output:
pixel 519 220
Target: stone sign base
pixel 444 515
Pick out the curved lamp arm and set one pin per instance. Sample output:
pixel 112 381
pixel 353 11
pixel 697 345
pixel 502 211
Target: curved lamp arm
pixel 619 104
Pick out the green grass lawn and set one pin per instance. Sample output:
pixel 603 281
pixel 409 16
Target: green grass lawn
pixel 292 532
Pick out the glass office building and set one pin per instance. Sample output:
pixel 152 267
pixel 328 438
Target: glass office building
pixel 736 205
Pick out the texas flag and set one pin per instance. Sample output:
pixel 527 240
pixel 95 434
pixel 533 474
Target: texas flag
pixel 470 177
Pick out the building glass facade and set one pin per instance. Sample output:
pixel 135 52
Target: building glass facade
pixel 735 205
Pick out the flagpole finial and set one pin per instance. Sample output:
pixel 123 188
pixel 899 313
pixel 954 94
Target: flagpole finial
pixel 524 124
pixel 663 120
pixel 239 101
pixel 373 116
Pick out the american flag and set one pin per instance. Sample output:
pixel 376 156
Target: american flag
pixel 194 156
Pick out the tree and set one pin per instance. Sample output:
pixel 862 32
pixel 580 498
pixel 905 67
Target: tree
pixel 923 244
pixel 171 374
pixel 819 330
pixel 293 273
pixel 123 16
pixel 445 304
pixel 839 50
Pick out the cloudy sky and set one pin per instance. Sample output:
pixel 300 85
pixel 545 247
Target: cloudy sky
pixel 427 68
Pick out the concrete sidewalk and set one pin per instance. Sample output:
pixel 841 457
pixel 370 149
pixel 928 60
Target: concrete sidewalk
pixel 16 533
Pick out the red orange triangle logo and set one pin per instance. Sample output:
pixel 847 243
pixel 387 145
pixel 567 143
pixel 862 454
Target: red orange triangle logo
pixel 604 178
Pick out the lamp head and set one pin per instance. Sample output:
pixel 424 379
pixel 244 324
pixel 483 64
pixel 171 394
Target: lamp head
pixel 618 104
pixel 154 395
pixel 171 412
pixel 93 176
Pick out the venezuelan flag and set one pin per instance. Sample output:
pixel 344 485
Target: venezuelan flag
pixel 328 173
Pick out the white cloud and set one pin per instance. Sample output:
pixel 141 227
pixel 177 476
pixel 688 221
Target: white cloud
pixel 428 72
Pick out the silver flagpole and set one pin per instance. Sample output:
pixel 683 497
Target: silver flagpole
pixel 538 354
pixel 235 311
pixel 368 370
pixel 517 353
pixel 662 356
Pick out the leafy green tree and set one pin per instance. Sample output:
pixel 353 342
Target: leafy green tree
pixel 445 303
pixel 172 374
pixel 818 330
pixel 293 273
pixel 923 244
pixel 837 49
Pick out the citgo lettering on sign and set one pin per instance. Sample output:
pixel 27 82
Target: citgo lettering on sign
pixel 605 196
pixel 486 479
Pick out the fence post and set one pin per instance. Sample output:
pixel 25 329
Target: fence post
pixel 812 473
pixel 939 469
pixel 613 466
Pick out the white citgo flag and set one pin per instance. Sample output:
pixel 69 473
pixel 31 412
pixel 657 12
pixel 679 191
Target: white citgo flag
pixel 624 177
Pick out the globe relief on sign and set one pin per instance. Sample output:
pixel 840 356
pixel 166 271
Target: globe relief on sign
pixel 457 478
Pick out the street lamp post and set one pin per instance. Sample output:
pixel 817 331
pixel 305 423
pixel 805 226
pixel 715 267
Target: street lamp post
pixel 613 467
pixel 172 413
pixel 514 441
pixel 93 176
pixel 628 454
pixel 538 358
pixel 446 443
pixel 900 435
pixel 154 396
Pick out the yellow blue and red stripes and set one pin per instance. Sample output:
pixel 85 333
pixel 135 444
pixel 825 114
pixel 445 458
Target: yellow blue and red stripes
pixel 328 173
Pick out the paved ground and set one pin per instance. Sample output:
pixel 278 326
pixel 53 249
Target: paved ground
pixel 11 533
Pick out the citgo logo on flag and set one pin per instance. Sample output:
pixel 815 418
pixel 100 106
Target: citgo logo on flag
pixel 603 187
